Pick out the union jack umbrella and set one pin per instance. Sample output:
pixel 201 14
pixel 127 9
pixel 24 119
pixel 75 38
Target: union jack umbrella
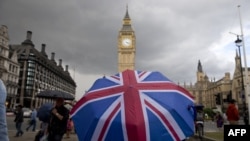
pixel 134 106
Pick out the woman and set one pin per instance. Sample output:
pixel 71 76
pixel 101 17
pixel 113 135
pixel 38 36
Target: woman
pixel 219 121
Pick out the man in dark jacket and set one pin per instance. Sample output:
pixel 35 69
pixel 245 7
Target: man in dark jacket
pixel 58 121
pixel 19 120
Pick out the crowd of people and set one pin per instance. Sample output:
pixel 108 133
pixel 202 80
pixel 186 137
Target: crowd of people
pixel 59 122
pixel 231 116
pixel 54 129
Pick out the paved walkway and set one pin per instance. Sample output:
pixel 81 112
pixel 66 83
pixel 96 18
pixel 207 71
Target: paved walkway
pixel 30 136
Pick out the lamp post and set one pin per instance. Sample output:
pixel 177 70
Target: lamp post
pixel 238 43
pixel 247 90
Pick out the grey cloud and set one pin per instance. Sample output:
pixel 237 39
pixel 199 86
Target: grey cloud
pixel 171 35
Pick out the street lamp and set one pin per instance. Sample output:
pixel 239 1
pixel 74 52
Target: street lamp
pixel 238 43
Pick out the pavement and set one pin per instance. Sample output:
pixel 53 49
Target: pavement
pixel 30 136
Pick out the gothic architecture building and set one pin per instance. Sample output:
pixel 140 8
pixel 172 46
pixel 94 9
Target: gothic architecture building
pixel 9 67
pixel 39 73
pixel 209 92
pixel 126 45
pixel 216 93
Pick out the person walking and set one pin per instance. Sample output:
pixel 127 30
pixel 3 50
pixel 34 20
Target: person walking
pixel 43 132
pixel 3 122
pixel 58 121
pixel 32 120
pixel 245 117
pixel 19 120
pixel 69 127
pixel 219 121
pixel 232 113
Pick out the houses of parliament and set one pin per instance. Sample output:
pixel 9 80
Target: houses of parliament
pixel 210 93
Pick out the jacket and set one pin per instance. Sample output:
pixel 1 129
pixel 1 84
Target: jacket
pixel 57 126
pixel 232 113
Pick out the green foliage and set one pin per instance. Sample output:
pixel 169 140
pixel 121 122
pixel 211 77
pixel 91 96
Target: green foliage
pixel 208 111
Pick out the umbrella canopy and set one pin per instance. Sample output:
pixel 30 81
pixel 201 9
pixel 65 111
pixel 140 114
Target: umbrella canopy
pixel 134 105
pixel 55 94
pixel 43 112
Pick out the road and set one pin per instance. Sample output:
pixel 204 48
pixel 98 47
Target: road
pixel 11 123
pixel 29 136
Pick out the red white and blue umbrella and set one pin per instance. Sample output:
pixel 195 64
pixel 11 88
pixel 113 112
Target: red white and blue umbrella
pixel 134 106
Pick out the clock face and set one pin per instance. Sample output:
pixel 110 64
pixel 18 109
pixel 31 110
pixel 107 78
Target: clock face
pixel 126 42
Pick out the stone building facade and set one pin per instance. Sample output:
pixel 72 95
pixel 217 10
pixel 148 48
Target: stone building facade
pixel 216 93
pixel 39 73
pixel 126 45
pixel 9 67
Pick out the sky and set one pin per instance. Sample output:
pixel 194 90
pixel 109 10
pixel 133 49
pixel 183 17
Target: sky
pixel 171 36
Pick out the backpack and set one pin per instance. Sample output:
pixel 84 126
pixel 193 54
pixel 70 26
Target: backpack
pixel 199 116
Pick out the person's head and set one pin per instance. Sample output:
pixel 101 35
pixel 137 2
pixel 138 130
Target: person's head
pixel 59 102
pixel 19 107
pixel 232 101
pixel 199 110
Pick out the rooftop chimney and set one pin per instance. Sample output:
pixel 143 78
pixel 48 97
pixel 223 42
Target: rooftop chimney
pixel 60 62
pixel 29 35
pixel 43 48
pixel 66 68
pixel 28 39
pixel 53 56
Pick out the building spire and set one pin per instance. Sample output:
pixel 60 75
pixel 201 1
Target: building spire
pixel 126 22
pixel 126 15
pixel 199 67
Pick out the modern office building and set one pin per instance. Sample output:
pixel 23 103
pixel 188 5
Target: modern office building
pixel 9 67
pixel 38 73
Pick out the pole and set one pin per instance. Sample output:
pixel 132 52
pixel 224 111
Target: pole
pixel 242 80
pixel 247 94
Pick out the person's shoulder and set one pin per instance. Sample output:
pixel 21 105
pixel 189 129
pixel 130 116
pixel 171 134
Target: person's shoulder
pixel 64 108
pixel 67 110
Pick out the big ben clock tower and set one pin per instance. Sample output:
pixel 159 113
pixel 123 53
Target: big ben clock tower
pixel 126 45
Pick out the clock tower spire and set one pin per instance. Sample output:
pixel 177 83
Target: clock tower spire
pixel 126 45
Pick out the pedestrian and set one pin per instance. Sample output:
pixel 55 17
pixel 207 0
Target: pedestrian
pixel 219 120
pixel 32 120
pixel 43 132
pixel 19 120
pixel 3 122
pixel 69 127
pixel 245 117
pixel 232 113
pixel 58 121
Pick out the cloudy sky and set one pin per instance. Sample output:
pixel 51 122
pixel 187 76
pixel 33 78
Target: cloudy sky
pixel 171 36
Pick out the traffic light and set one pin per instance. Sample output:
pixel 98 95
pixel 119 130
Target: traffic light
pixel 229 96
pixel 218 99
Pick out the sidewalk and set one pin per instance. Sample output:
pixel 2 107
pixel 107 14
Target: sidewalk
pixel 30 136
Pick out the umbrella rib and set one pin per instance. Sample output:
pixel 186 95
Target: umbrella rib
pixel 108 121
